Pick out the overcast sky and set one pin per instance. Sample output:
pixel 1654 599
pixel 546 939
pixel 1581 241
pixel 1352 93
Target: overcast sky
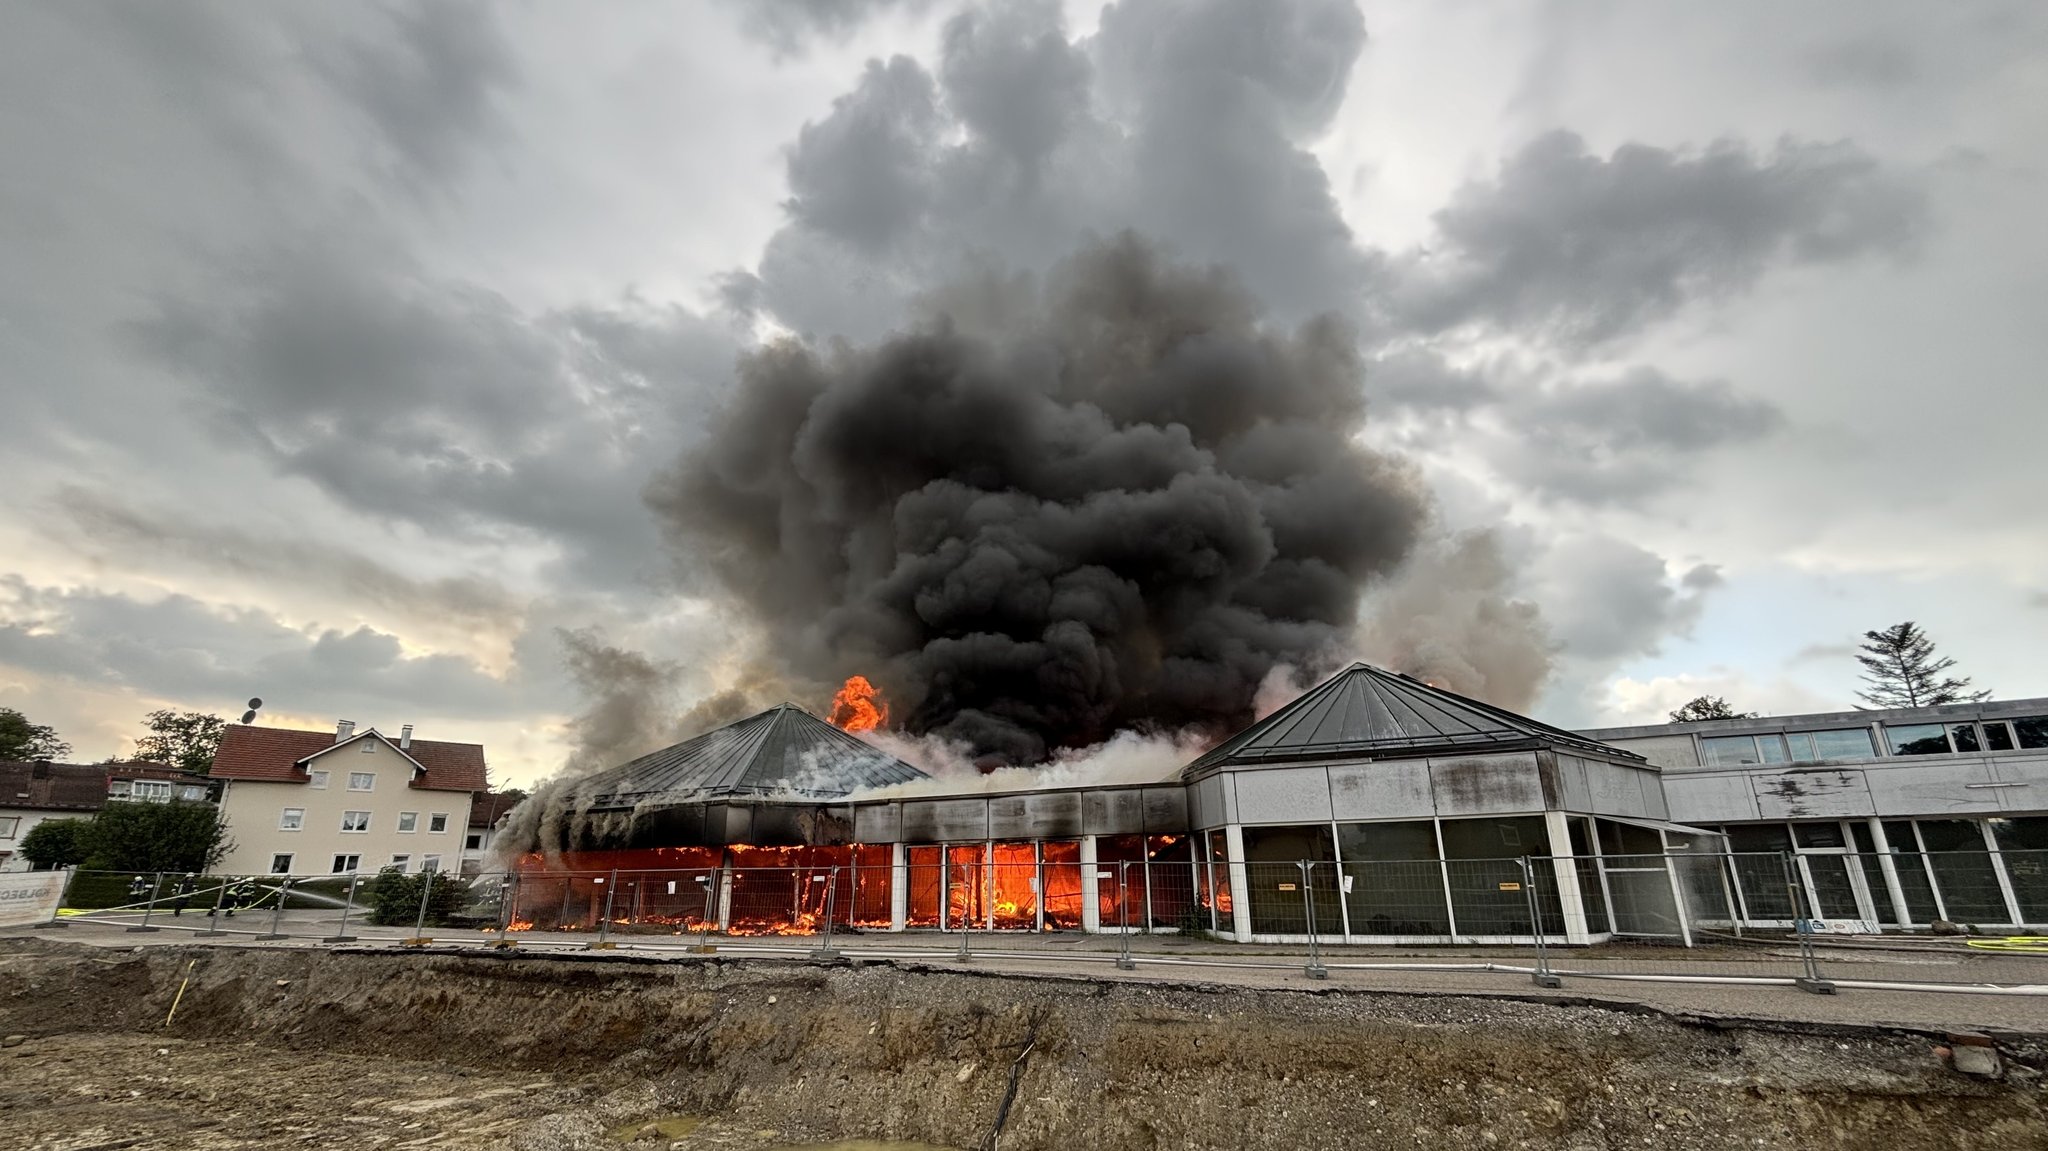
pixel 338 342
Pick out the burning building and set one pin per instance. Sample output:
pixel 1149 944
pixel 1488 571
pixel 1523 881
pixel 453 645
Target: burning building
pixel 1376 806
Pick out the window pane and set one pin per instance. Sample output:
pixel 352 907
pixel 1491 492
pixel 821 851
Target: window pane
pixel 1483 855
pixel 2031 732
pixel 1278 903
pixel 2024 845
pixel 1962 867
pixel 1396 886
pixel 1801 745
pixel 1997 737
pixel 1818 834
pixel 1772 748
pixel 1850 743
pixel 1917 738
pixel 1963 735
pixel 1730 750
pixel 1911 868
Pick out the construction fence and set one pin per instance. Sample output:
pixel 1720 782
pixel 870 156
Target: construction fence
pixel 1773 918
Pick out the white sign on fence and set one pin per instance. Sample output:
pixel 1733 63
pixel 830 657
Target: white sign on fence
pixel 30 897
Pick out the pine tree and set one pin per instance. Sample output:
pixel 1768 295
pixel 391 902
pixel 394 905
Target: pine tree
pixel 1902 670
pixel 1708 707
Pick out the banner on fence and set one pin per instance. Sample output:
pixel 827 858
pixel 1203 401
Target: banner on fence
pixel 29 897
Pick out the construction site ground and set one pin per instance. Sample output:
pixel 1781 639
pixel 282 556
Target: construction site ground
pixel 764 1044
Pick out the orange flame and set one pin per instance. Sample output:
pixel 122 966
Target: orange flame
pixel 858 706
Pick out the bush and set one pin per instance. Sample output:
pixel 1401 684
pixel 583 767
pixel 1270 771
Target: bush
pixel 57 843
pixel 396 899
pixel 147 837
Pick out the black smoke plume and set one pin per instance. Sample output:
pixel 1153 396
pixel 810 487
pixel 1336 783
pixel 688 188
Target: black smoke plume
pixel 1045 516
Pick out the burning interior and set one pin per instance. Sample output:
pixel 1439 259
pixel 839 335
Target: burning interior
pixel 1374 808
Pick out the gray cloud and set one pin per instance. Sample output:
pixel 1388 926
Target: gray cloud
pixel 1583 248
pixel 181 648
pixel 1609 600
pixel 791 26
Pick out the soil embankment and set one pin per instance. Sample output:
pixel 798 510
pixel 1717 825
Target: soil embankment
pixel 285 1047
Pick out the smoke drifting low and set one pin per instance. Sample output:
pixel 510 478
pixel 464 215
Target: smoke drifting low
pixel 1048 516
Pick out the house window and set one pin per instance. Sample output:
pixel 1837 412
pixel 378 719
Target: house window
pixel 367 746
pixel 10 826
pixel 2032 732
pixel 1849 743
pixel 355 821
pixel 118 789
pixel 280 865
pixel 343 864
pixel 430 863
pixel 1730 750
pixel 475 842
pixel 361 780
pixel 154 790
pixel 1997 737
pixel 437 821
pixel 293 819
pixel 399 861
pixel 408 820
pixel 193 793
pixel 320 779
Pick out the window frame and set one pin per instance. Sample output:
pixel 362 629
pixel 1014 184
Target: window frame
pixel 288 858
pixel 371 776
pixel 401 861
pixel 317 778
pixel 285 813
pixel 147 789
pixel 346 863
pixel 10 826
pixel 408 822
pixel 441 816
pixel 430 864
pixel 347 830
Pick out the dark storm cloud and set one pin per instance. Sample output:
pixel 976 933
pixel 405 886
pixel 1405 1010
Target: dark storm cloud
pixel 1185 121
pixel 443 405
pixel 1583 248
pixel 1120 507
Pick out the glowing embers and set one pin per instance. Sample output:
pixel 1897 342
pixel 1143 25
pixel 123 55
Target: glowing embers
pixel 655 890
pixel 858 706
pixel 995 887
pixel 793 890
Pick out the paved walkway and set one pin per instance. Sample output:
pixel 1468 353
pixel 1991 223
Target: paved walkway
pixel 1940 986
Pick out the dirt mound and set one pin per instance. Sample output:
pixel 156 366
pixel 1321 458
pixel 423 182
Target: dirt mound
pixel 893 1052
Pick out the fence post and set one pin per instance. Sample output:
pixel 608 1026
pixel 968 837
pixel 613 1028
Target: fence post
pixel 419 931
pixel 277 915
pixel 1810 980
pixel 824 950
pixel 1124 962
pixel 57 912
pixel 213 918
pixel 348 904
pixel 1315 968
pixel 966 912
pixel 151 905
pixel 603 942
pixel 1543 976
pixel 710 881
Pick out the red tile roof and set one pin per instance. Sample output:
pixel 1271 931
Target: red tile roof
pixel 489 807
pixel 273 754
pixel 58 787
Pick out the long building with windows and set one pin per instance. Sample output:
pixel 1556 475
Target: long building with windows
pixel 1893 818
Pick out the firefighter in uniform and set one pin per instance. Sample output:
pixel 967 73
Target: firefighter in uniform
pixel 242 894
pixel 185 887
pixel 138 890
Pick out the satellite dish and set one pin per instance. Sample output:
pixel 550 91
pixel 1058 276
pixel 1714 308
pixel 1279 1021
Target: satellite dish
pixel 254 703
pixel 249 717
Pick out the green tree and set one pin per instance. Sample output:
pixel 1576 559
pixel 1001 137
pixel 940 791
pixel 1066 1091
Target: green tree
pixel 1902 670
pixel 1708 707
pixel 184 739
pixel 396 899
pixel 20 739
pixel 57 842
pixel 133 836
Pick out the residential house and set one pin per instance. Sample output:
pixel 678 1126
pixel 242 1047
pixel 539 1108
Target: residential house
pixel 486 813
pixel 331 803
pixel 158 783
pixel 33 792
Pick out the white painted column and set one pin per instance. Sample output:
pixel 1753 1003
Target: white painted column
pixel 1901 914
pixel 1240 884
pixel 899 886
pixel 1091 902
pixel 1566 871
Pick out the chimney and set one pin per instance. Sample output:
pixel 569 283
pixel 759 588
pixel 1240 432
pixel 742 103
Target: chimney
pixel 41 770
pixel 343 729
pixel 405 738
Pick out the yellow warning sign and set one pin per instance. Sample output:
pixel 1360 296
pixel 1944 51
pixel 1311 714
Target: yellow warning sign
pixel 1287 887
pixel 1511 887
